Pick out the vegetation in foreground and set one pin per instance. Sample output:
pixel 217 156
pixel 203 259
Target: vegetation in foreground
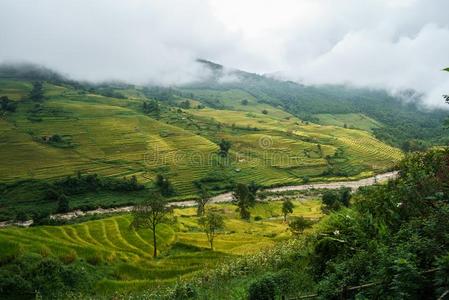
pixel 384 242
pixel 390 243
pixel 116 258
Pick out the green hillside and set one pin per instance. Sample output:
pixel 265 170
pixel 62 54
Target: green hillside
pixel 123 256
pixel 112 136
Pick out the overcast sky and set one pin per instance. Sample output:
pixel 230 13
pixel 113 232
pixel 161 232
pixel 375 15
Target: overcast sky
pixel 393 44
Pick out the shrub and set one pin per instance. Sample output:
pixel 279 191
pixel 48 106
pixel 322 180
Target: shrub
pixel 184 291
pixel 299 224
pixel 9 252
pixel 263 288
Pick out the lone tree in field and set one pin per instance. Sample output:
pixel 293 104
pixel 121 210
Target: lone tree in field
pixel 299 224
pixel 203 199
pixel 211 223
pixel 224 148
pixel 37 93
pixel 164 186
pixel 287 208
pixel 244 200
pixel 149 214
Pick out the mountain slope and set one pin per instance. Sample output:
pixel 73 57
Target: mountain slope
pixel 114 137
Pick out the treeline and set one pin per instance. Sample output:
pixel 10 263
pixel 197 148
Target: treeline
pixel 19 198
pixel 79 184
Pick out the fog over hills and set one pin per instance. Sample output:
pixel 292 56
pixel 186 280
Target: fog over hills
pixel 390 44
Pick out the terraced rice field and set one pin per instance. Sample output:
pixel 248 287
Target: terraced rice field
pixel 358 121
pixel 112 137
pixel 126 254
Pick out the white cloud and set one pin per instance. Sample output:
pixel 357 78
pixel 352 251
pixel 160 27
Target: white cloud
pixel 393 44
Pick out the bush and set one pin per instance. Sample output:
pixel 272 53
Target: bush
pixel 9 252
pixel 299 224
pixel 263 288
pixel 184 291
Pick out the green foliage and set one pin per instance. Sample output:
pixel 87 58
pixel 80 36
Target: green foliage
pixel 224 148
pixel 92 183
pixel 335 199
pixel 21 216
pixel 26 277
pixel 63 204
pixel 413 145
pixel 244 199
pixel 442 275
pixel 263 288
pixel 7 105
pixel 287 208
pixel 211 223
pixel 185 104
pixel 164 186
pixel 150 214
pixel 184 291
pixel 202 200
pixel 152 107
pixel 37 93
pixel 299 224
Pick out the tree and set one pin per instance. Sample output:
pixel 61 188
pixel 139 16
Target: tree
pixel 265 112
pixel 37 93
pixel 287 208
pixel 63 204
pixel 185 104
pixel 224 148
pixel 164 186
pixel 299 224
pixel 333 200
pixel 305 179
pixel 211 223
pixel 253 188
pixel 243 199
pixel 152 107
pixel 149 214
pixel 244 102
pixel 204 197
pixel 7 105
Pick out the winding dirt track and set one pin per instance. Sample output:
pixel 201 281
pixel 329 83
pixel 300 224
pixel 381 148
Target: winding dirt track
pixel 227 197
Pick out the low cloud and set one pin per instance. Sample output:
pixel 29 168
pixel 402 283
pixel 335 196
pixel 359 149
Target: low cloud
pixel 392 44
